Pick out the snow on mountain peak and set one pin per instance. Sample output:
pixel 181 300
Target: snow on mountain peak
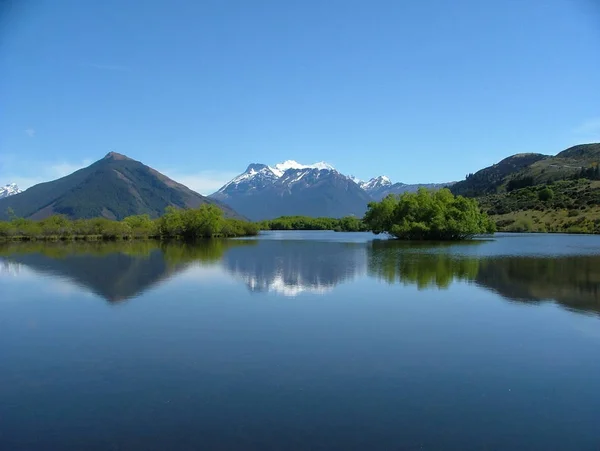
pixel 9 190
pixel 280 168
pixel 376 182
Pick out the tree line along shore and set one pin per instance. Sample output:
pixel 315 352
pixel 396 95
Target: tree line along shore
pixel 424 215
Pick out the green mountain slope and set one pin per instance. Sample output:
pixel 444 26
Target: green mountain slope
pixel 529 169
pixel 490 179
pixel 540 193
pixel 114 187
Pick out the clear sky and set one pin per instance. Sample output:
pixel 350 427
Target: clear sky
pixel 421 91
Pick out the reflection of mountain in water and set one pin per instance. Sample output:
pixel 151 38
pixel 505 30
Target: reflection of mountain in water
pixel 118 271
pixel 114 271
pixel 571 281
pixel 292 267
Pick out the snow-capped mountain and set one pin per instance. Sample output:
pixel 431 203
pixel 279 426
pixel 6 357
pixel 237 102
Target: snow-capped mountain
pixel 292 188
pixel 378 192
pixel 258 176
pixel 375 183
pixel 9 190
pixel 280 168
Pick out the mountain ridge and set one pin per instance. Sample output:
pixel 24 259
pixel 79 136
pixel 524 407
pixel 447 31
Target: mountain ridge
pixel 528 169
pixel 265 192
pixel 113 187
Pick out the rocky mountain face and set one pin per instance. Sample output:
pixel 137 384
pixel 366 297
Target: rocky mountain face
pixel 290 188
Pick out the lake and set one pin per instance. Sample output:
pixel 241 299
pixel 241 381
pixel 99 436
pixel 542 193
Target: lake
pixel 301 340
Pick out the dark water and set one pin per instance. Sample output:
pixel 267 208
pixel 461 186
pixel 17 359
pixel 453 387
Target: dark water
pixel 308 340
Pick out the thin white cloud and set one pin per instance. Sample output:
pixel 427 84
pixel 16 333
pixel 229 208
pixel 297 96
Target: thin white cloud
pixel 203 182
pixel 30 132
pixel 109 67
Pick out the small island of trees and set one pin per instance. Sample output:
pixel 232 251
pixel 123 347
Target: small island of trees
pixel 428 215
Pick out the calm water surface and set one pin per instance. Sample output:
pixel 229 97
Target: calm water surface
pixel 302 340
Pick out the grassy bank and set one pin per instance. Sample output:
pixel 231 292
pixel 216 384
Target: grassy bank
pixel 566 206
pixel 550 221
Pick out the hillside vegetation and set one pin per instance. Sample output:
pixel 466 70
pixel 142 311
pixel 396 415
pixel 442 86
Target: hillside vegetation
pixel 529 169
pixel 541 193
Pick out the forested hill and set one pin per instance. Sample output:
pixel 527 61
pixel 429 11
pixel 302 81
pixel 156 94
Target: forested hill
pixel 529 169
pixel 114 187
pixel 541 193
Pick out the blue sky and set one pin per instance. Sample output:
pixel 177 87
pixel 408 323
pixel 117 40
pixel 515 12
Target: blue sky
pixel 421 91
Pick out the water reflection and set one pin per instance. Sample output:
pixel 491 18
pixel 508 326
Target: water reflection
pixel 119 271
pixel 293 267
pixel 571 281
pixel 426 266
pixel 114 271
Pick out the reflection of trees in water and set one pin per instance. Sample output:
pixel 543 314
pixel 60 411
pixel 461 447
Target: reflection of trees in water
pixel 422 270
pixel 118 270
pixel 291 267
pixel 121 270
pixel 419 264
pixel 573 281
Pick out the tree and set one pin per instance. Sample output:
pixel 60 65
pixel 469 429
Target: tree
pixel 428 215
pixel 11 214
pixel 379 215
pixel 546 194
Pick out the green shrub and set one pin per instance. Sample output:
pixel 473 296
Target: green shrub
pixel 428 215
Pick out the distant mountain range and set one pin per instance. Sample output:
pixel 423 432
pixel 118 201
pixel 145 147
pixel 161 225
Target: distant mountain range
pixel 9 190
pixel 114 187
pixel 290 188
pixel 117 186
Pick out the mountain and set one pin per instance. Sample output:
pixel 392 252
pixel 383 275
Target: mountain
pixel 9 190
pixel 541 193
pixel 113 187
pixel 380 187
pixel 488 180
pixel 527 169
pixel 290 188
pixel 376 183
